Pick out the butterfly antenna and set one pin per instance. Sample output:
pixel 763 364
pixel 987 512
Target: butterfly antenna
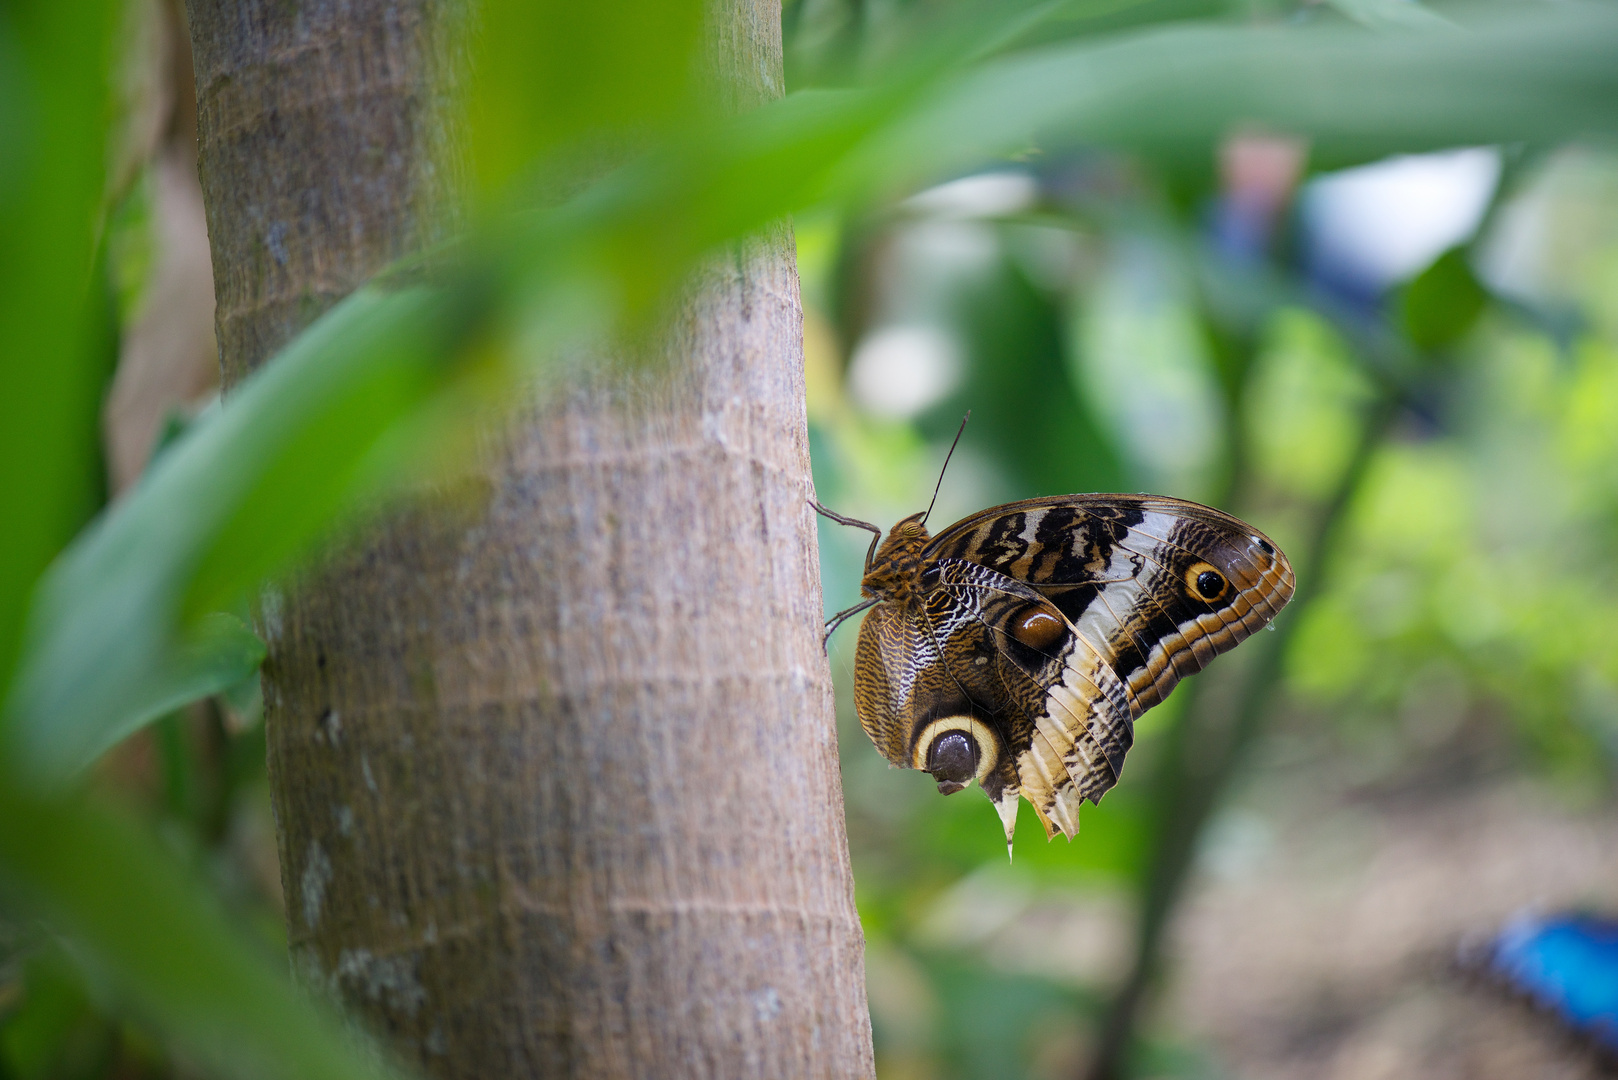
pixel 939 486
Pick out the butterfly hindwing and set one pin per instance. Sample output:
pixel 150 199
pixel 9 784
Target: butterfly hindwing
pixel 1062 709
pixel 920 692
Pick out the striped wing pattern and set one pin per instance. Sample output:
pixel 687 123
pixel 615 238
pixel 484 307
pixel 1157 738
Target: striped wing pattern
pixel 1064 715
pixel 1147 590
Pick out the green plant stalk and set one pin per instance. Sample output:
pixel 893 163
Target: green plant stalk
pixel 1208 744
pixel 179 768
pixel 53 104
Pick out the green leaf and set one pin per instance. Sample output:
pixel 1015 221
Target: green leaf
pixel 1535 76
pixel 592 80
pixel 53 126
pixel 116 638
pixel 1442 303
pixel 145 925
pixel 216 655
pixel 1391 16
pixel 53 1021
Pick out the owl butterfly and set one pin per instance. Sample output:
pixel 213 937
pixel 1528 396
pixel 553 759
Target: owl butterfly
pixel 1018 647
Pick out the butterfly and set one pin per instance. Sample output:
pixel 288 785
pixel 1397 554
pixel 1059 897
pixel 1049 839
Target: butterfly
pixel 1565 965
pixel 1017 648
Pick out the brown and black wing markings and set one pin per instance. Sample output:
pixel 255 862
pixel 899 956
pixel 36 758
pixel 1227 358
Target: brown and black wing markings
pixel 1070 549
pixel 1045 629
pixel 909 696
pixel 1061 709
pixel 981 709
pixel 898 673
pixel 1124 570
pixel 1213 582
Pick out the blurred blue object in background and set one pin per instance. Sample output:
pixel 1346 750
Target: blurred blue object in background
pixel 1371 228
pixel 1565 964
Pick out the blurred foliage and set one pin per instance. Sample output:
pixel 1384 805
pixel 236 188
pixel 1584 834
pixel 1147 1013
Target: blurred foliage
pixel 1471 575
pixel 1108 266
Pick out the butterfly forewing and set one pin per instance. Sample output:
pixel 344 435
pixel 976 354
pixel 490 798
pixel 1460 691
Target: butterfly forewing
pixel 1128 572
pixel 1029 637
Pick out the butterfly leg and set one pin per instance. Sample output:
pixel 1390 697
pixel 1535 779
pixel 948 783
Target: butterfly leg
pixel 876 533
pixel 838 619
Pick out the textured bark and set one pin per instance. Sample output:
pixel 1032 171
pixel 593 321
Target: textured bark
pixel 555 780
pixel 324 149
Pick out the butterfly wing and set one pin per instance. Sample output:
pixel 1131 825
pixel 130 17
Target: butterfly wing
pixel 1148 590
pixel 921 692
pixel 1054 701
pixel 1565 964
pixel 988 682
pixel 1128 572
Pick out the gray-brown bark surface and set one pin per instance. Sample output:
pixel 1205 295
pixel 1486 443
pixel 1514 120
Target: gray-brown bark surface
pixel 556 781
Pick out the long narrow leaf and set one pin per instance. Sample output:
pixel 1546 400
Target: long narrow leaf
pixel 1540 75
pixel 240 496
pixel 108 639
pixel 210 658
pixel 164 945
pixel 53 104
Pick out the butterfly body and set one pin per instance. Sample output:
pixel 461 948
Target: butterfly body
pixel 1017 647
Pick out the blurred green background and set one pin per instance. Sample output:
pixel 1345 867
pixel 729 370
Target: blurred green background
pixel 1403 368
pixel 1404 373
pixel 1452 648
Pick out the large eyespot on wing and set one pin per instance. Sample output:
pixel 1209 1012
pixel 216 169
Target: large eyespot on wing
pixel 955 750
pixel 960 748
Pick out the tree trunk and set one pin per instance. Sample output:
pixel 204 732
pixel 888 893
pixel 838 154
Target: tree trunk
pixel 556 787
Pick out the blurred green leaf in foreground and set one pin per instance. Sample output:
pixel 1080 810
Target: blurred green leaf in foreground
pixel 631 190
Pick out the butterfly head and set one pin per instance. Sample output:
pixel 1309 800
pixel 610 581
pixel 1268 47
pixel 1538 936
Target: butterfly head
pixel 895 567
